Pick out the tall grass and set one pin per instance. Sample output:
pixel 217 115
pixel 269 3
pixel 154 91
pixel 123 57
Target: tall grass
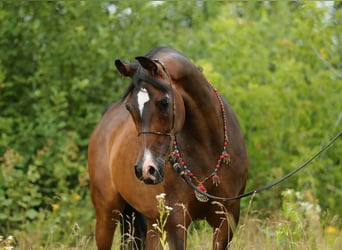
pixel 298 225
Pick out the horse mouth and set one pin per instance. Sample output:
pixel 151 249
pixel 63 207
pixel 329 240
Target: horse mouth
pixel 151 182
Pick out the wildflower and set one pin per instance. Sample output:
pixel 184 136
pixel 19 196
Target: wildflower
pixel 306 206
pixel 12 240
pixel 164 212
pixel 55 207
pixel 288 192
pixel 161 196
pixel 331 230
pixel 299 195
pixel 76 196
pixel 168 208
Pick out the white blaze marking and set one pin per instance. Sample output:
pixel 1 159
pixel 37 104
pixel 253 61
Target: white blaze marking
pixel 147 161
pixel 143 97
pixel 148 158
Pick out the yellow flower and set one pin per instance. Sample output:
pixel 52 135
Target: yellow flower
pixel 323 53
pixel 76 196
pixel 331 230
pixel 55 207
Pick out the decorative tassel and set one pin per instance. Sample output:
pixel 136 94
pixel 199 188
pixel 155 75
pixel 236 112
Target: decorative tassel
pixel 216 180
pixel 226 158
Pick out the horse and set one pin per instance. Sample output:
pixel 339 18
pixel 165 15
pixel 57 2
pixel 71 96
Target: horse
pixel 170 123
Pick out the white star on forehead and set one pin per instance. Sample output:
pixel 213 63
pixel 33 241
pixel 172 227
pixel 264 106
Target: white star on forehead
pixel 143 98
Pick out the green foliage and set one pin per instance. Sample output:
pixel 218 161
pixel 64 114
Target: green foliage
pixel 286 90
pixel 278 64
pixel 298 224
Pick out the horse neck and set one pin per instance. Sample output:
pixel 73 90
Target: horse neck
pixel 203 123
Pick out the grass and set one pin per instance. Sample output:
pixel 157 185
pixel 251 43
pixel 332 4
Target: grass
pixel 298 224
pixel 252 233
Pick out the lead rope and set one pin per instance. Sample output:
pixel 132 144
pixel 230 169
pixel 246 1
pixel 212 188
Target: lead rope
pixel 258 190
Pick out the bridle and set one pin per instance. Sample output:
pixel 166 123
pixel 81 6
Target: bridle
pixel 175 158
pixel 202 193
pixel 171 131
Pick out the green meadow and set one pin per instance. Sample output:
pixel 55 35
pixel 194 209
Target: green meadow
pixel 278 64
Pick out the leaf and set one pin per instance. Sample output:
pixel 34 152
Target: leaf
pixel 31 214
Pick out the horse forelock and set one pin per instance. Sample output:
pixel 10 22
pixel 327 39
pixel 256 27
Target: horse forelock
pixel 141 75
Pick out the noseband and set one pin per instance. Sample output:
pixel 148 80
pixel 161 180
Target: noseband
pixel 154 133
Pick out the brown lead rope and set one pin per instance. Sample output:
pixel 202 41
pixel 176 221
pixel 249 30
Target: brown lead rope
pixel 179 170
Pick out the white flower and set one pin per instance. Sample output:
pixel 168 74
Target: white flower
pixel 306 206
pixel 160 196
pixel 168 208
pixel 299 195
pixel 155 225
pixel 288 192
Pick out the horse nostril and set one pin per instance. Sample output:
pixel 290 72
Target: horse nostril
pixel 138 172
pixel 151 170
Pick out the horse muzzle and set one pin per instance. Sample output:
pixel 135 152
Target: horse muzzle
pixel 150 171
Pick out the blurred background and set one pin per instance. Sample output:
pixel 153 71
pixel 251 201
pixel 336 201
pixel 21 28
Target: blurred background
pixel 277 63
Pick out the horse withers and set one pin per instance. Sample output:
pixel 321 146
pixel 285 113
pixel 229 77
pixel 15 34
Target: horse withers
pixel 169 125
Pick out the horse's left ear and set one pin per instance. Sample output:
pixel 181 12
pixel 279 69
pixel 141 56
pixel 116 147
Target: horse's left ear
pixel 126 69
pixel 148 64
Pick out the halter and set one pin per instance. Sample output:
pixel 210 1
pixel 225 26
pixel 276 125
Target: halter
pixel 183 170
pixel 175 157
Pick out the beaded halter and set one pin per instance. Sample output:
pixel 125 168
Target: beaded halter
pixel 175 157
pixel 179 164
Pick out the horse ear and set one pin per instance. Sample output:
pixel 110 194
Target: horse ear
pixel 125 69
pixel 148 64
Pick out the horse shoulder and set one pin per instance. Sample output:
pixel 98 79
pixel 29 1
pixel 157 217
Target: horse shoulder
pixel 100 147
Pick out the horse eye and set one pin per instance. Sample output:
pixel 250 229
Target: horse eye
pixel 163 104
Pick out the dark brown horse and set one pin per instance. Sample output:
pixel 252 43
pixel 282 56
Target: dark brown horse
pixel 170 123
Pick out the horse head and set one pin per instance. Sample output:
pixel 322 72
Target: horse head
pixel 157 110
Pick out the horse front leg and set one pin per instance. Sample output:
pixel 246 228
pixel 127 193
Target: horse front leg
pixel 104 232
pixel 177 227
pixel 175 230
pixel 107 215
pixel 177 237
pixel 223 221
pixel 152 236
